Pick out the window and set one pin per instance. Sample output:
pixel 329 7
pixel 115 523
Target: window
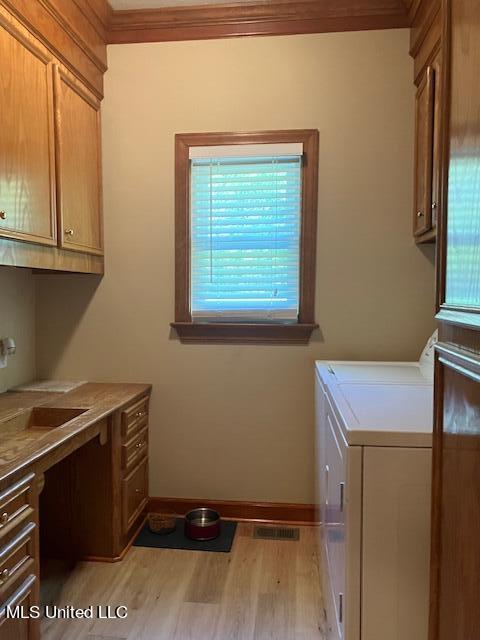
pixel 245 236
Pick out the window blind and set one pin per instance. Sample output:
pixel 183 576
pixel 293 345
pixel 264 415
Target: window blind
pixel 245 216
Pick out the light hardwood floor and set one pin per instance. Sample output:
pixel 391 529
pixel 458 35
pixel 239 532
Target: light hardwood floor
pixel 262 589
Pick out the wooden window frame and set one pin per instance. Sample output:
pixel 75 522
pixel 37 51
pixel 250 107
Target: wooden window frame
pixel 234 332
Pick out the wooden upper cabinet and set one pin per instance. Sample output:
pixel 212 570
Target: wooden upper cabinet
pixel 79 191
pixel 27 173
pixel 427 49
pixel 424 128
pixel 437 139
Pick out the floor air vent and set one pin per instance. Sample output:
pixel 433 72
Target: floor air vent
pixel 276 533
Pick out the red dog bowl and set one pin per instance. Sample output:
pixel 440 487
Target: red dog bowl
pixel 202 524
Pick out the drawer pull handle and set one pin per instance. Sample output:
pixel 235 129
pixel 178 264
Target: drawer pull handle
pixel 3 215
pixel 139 445
pixel 69 232
pixel 342 496
pixel 138 491
pixel 4 576
pixel 4 519
pixel 140 414
pixel 327 471
pixel 419 214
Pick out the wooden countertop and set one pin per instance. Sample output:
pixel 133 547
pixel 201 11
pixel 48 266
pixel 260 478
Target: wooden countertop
pixel 19 449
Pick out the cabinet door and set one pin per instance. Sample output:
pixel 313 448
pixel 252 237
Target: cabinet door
pixel 78 166
pixel 424 153
pixel 437 138
pixel 135 494
pixel 27 171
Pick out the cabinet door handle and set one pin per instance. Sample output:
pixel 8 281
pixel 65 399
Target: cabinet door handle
pixel 340 607
pixel 4 576
pixel 3 519
pixel 327 471
pixel 69 232
pixel 420 214
pixel 342 495
pixel 3 215
pixel 434 206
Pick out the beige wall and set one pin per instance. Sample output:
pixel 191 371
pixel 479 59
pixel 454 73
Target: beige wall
pixel 17 320
pixel 235 422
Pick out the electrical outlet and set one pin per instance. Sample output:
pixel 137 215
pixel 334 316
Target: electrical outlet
pixel 7 348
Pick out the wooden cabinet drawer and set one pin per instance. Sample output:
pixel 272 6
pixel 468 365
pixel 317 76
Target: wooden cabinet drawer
pixel 134 494
pixel 135 449
pixel 16 628
pixel 17 559
pixel 134 418
pixel 16 505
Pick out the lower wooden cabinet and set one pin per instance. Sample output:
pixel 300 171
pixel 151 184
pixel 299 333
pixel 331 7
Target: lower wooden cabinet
pixel 24 597
pixel 89 497
pixel 94 516
pixel 19 558
pixel 134 426
pixel 134 495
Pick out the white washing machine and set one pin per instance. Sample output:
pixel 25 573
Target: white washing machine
pixel 373 447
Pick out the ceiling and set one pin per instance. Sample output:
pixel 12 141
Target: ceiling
pixel 154 4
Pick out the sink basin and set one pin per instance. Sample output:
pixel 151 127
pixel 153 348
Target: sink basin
pixel 50 417
pixel 39 418
pixel 28 426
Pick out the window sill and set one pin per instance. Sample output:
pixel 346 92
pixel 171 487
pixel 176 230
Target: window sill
pixel 243 333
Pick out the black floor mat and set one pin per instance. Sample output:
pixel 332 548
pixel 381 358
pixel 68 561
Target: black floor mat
pixel 178 540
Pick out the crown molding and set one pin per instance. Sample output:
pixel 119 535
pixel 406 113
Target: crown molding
pixel 72 31
pixel 255 18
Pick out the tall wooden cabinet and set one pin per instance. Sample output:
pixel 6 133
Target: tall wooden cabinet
pixel 50 159
pixel 27 161
pixel 455 574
